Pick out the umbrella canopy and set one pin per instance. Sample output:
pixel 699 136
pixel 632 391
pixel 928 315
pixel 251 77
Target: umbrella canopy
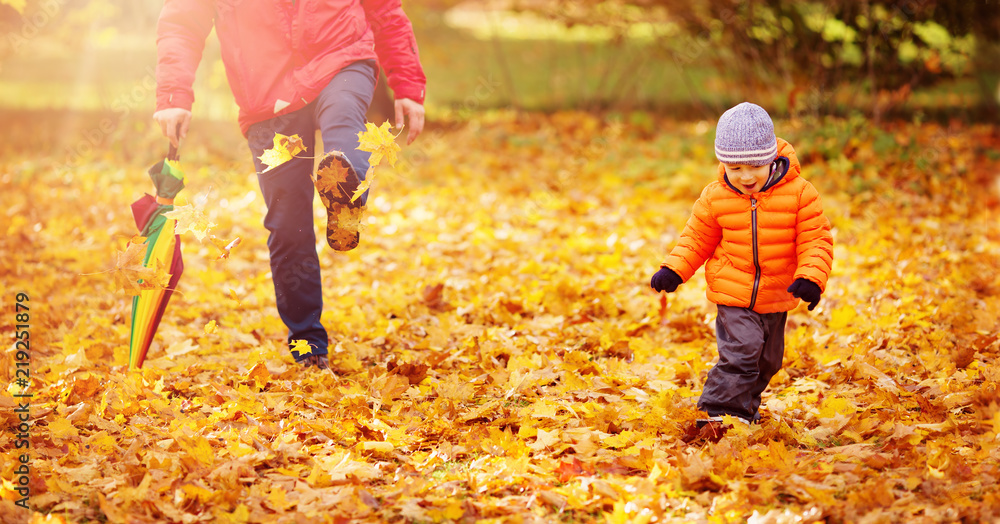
pixel 163 250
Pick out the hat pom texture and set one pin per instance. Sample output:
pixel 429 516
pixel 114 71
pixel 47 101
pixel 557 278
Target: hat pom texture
pixel 745 135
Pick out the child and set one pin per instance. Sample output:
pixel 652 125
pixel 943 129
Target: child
pixel 767 244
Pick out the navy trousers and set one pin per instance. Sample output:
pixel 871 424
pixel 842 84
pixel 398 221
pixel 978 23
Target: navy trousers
pixel 339 114
pixel 751 348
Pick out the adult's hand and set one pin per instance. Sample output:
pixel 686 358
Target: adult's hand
pixel 414 113
pixel 174 123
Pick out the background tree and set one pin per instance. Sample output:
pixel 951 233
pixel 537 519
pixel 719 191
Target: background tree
pixel 890 46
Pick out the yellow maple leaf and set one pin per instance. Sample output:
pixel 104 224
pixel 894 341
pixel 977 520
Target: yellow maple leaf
pixel 350 219
pixel 224 248
pixel 190 219
pixel 364 185
pixel 38 518
pixel 545 439
pixel 454 511
pixel 379 142
pixel 210 327
pixel 302 347
pixel 374 445
pixel 285 148
pixel 277 499
pixel 259 373
pixel 60 428
pixel 834 406
pixel 131 275
pixel 331 175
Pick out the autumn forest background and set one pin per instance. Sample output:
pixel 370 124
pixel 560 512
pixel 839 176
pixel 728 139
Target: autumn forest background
pixel 498 353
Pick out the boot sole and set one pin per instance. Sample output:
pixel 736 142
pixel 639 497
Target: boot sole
pixel 343 217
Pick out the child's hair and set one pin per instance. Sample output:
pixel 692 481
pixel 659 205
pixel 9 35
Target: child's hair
pixel 745 135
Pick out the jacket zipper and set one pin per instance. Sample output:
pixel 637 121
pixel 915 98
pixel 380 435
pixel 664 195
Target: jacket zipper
pixel 756 255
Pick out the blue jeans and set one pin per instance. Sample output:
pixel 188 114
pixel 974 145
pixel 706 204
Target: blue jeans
pixel 339 113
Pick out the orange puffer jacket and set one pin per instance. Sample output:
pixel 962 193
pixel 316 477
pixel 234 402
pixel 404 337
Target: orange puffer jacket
pixel 757 245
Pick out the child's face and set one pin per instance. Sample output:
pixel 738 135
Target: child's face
pixel 748 179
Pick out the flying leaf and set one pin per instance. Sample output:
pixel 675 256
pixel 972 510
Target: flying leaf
pixel 190 219
pixel 285 148
pixel 379 142
pixel 363 186
pixel 210 327
pixel 131 275
pixel 301 347
pixel 224 249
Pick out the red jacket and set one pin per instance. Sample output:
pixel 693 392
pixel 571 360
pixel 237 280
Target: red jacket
pixel 279 54
pixel 755 246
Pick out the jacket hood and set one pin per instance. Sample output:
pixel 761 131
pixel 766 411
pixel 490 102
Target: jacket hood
pixel 785 174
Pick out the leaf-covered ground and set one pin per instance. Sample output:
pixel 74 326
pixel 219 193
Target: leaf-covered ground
pixel 499 355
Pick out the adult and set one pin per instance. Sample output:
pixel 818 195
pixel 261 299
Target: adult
pixel 294 67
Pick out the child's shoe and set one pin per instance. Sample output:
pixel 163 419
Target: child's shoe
pixel 319 361
pixel 710 429
pixel 706 430
pixel 336 181
pixel 702 422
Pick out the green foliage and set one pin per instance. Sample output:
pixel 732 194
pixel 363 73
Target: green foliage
pixel 888 45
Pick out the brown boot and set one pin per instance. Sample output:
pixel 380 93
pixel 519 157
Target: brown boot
pixel 336 181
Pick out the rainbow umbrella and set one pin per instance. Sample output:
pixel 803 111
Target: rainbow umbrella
pixel 163 250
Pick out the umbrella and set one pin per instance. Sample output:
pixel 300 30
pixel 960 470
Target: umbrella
pixel 163 250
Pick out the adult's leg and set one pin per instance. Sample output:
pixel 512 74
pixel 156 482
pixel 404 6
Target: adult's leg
pixel 340 113
pixel 288 193
pixel 729 388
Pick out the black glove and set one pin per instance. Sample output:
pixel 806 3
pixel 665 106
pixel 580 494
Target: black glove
pixel 665 280
pixel 807 290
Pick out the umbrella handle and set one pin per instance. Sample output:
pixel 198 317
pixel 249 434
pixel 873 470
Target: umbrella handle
pixel 172 153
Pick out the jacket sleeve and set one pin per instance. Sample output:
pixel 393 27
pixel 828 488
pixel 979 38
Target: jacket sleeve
pixel 396 47
pixel 813 240
pixel 180 39
pixel 698 241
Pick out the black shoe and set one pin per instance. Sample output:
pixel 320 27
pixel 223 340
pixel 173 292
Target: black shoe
pixel 336 181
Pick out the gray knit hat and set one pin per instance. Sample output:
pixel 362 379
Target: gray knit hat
pixel 745 135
